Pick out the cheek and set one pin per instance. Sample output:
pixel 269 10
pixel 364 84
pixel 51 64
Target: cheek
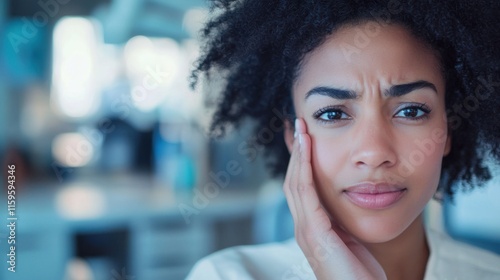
pixel 420 164
pixel 423 153
pixel 329 156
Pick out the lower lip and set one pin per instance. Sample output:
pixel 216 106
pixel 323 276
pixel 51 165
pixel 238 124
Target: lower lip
pixel 375 200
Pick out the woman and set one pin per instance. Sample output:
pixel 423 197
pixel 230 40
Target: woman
pixel 389 103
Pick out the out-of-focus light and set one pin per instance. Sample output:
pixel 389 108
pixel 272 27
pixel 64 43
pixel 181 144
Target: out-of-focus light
pixel 34 117
pixel 78 269
pixel 462 214
pixel 194 20
pixel 138 54
pixel 72 149
pixel 181 100
pixel 110 64
pixel 75 64
pixel 80 202
pixel 152 66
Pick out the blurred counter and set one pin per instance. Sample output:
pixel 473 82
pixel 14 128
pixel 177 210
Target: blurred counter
pixel 127 224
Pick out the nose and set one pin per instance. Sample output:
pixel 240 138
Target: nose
pixel 373 144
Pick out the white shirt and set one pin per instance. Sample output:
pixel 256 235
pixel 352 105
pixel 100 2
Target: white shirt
pixel 449 259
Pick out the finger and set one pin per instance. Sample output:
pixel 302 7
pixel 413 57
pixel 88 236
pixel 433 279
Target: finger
pixel 290 178
pixel 295 175
pixel 291 163
pixel 305 192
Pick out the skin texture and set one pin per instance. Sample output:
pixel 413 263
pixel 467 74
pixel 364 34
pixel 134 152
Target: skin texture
pixel 374 139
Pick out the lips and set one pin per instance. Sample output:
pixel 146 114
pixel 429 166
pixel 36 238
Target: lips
pixel 374 196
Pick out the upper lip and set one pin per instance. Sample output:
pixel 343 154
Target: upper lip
pixel 374 188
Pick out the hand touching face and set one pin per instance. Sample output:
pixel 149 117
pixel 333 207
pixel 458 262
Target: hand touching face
pixel 376 119
pixel 330 251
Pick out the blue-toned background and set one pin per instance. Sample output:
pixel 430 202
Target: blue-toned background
pixel 115 177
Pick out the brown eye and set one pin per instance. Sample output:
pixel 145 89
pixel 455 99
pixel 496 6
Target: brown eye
pixel 330 114
pixel 333 115
pixel 410 112
pixel 413 112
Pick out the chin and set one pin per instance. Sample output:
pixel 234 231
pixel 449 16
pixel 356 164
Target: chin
pixel 378 229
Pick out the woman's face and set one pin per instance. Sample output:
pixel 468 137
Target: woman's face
pixel 373 103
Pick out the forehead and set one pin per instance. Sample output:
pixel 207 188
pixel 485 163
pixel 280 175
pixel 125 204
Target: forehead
pixel 366 53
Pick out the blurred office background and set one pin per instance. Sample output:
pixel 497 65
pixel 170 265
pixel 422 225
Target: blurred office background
pixel 115 176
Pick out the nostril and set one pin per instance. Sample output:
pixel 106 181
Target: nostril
pixel 375 159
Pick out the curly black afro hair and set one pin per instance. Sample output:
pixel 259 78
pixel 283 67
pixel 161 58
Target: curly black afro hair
pixel 259 44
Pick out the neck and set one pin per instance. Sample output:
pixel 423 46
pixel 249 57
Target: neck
pixel 404 257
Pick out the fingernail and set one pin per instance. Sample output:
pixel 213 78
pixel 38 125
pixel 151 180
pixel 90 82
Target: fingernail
pixel 295 134
pixel 296 124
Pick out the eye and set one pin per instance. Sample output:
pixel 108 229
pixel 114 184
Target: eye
pixel 330 114
pixel 414 112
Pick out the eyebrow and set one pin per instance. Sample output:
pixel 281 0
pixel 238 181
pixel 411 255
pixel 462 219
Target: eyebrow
pixel 393 91
pixel 399 90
